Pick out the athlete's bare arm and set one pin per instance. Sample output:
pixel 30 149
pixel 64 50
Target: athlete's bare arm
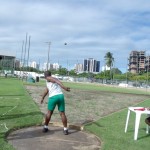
pixel 44 94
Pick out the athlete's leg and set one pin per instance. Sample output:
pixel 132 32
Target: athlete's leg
pixel 51 107
pixel 48 117
pixel 61 108
pixel 64 119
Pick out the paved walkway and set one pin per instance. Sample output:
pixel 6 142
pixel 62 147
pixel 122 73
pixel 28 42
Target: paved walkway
pixel 33 138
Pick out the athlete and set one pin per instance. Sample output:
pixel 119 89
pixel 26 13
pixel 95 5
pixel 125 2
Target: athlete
pixel 56 97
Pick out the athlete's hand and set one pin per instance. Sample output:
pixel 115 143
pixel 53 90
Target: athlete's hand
pixel 42 101
pixel 67 89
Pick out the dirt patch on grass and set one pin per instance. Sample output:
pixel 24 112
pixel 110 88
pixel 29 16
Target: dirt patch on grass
pixel 84 105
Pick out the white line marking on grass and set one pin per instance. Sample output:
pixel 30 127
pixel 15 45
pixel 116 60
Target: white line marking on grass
pixel 4 124
pixel 8 98
pixel 17 98
pixel 9 110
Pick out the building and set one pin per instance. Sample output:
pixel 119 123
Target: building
pixel 56 66
pixel 104 68
pixel 17 64
pixel 79 68
pixel 48 66
pixel 147 63
pixel 7 63
pixel 137 61
pixel 35 65
pixel 91 65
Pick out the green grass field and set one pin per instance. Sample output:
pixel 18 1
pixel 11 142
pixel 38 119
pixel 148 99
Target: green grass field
pixel 18 110
pixel 98 87
pixel 110 129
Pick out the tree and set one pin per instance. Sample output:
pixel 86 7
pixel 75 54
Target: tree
pixel 102 75
pixel 62 71
pixel 72 73
pixel 109 60
pixel 116 71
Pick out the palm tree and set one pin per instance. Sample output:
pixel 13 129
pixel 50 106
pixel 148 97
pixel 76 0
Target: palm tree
pixel 109 60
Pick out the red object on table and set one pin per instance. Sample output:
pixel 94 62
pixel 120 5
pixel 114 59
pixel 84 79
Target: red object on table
pixel 140 109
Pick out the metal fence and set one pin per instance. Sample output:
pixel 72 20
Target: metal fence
pixel 123 83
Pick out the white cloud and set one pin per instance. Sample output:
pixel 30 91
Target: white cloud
pixel 90 28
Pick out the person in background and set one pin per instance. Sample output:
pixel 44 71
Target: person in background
pixel 147 120
pixel 56 97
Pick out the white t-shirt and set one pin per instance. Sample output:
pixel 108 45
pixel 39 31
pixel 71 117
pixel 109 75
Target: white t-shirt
pixel 54 89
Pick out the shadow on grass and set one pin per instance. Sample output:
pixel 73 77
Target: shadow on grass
pixel 5 106
pixel 2 134
pixel 5 117
pixel 143 137
pixel 95 123
pixel 8 95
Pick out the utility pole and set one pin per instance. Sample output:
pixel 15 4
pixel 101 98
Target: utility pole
pixel 49 43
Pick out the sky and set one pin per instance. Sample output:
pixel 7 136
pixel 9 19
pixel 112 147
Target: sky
pixel 91 28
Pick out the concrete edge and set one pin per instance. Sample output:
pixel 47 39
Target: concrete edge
pixel 71 126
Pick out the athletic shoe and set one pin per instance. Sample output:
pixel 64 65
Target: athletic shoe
pixel 66 132
pixel 45 130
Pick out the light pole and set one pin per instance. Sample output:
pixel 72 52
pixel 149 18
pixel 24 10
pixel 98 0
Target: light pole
pixel 28 53
pixel 67 62
pixel 147 70
pixel 24 61
pixel 49 43
pixel 127 72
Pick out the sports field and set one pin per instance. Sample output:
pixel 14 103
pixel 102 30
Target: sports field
pixel 103 107
pixel 85 105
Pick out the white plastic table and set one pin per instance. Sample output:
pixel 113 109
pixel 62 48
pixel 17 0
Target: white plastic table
pixel 138 114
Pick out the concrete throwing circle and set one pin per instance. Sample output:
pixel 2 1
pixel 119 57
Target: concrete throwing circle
pixel 33 138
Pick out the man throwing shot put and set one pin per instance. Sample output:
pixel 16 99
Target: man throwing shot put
pixel 56 97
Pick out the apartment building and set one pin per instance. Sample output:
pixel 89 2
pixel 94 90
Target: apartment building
pixel 79 68
pixel 91 65
pixel 137 61
pixel 147 63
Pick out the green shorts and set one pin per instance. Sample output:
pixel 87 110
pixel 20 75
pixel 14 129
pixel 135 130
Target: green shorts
pixel 56 100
